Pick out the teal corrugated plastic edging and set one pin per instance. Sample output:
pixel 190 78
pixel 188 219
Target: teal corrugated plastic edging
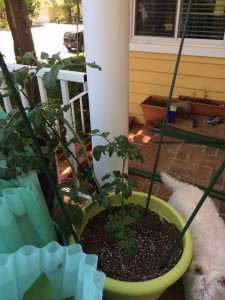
pixel 70 271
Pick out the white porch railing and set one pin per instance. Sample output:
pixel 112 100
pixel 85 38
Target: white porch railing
pixel 64 77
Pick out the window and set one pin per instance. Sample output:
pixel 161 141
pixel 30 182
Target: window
pixel 166 18
pixel 155 18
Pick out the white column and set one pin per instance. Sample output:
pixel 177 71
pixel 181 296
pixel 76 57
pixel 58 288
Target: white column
pixel 106 34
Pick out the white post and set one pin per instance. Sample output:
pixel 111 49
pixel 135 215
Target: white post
pixel 106 36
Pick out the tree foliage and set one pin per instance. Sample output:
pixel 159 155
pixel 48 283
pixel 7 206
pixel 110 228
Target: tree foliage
pixel 72 8
pixel 33 7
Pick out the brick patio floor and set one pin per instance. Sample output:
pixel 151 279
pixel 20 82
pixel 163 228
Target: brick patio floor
pixel 193 163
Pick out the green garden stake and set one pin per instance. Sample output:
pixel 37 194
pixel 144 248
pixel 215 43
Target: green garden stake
pixel 168 103
pixel 201 201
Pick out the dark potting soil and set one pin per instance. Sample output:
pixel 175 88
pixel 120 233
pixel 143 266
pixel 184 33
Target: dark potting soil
pixel 155 237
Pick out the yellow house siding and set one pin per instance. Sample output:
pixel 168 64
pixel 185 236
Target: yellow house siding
pixel 53 11
pixel 151 73
pixel 48 14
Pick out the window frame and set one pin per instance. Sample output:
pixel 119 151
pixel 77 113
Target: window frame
pixel 170 45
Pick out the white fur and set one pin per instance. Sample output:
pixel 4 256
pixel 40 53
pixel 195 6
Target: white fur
pixel 205 278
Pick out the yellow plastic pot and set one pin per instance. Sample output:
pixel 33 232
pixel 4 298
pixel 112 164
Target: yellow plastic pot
pixel 151 289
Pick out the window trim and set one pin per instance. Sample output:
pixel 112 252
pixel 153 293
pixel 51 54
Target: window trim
pixel 168 45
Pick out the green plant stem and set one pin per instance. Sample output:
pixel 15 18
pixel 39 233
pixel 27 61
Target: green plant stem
pixel 68 160
pixel 77 138
pixel 32 135
pixel 64 148
pixel 123 167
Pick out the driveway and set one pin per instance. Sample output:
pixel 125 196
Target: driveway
pixel 47 38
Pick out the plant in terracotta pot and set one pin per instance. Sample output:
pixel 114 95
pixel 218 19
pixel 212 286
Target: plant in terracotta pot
pixel 204 105
pixel 154 108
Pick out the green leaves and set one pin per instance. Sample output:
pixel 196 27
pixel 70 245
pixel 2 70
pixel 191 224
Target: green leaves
pixel 106 202
pixel 27 58
pixel 132 182
pixel 121 244
pixel 21 76
pixel 55 63
pixel 75 215
pixel 39 290
pixel 120 146
pixel 118 180
pixel 17 148
pixel 94 66
pixel 44 56
pixel 8 173
pixel 51 77
pixel 121 228
pixel 97 152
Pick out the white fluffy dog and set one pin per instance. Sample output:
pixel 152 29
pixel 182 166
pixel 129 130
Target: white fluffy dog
pixel 205 278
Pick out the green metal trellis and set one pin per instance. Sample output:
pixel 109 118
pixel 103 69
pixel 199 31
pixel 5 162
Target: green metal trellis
pixel 216 176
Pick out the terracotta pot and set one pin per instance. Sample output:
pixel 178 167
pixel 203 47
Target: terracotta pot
pixel 154 113
pixel 150 289
pixel 87 142
pixel 205 109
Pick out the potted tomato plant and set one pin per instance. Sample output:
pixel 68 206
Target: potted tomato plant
pixel 124 210
pixel 118 215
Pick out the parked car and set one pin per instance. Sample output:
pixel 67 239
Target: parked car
pixel 70 40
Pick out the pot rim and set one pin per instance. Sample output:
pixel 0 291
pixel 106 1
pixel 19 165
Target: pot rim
pixel 162 282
